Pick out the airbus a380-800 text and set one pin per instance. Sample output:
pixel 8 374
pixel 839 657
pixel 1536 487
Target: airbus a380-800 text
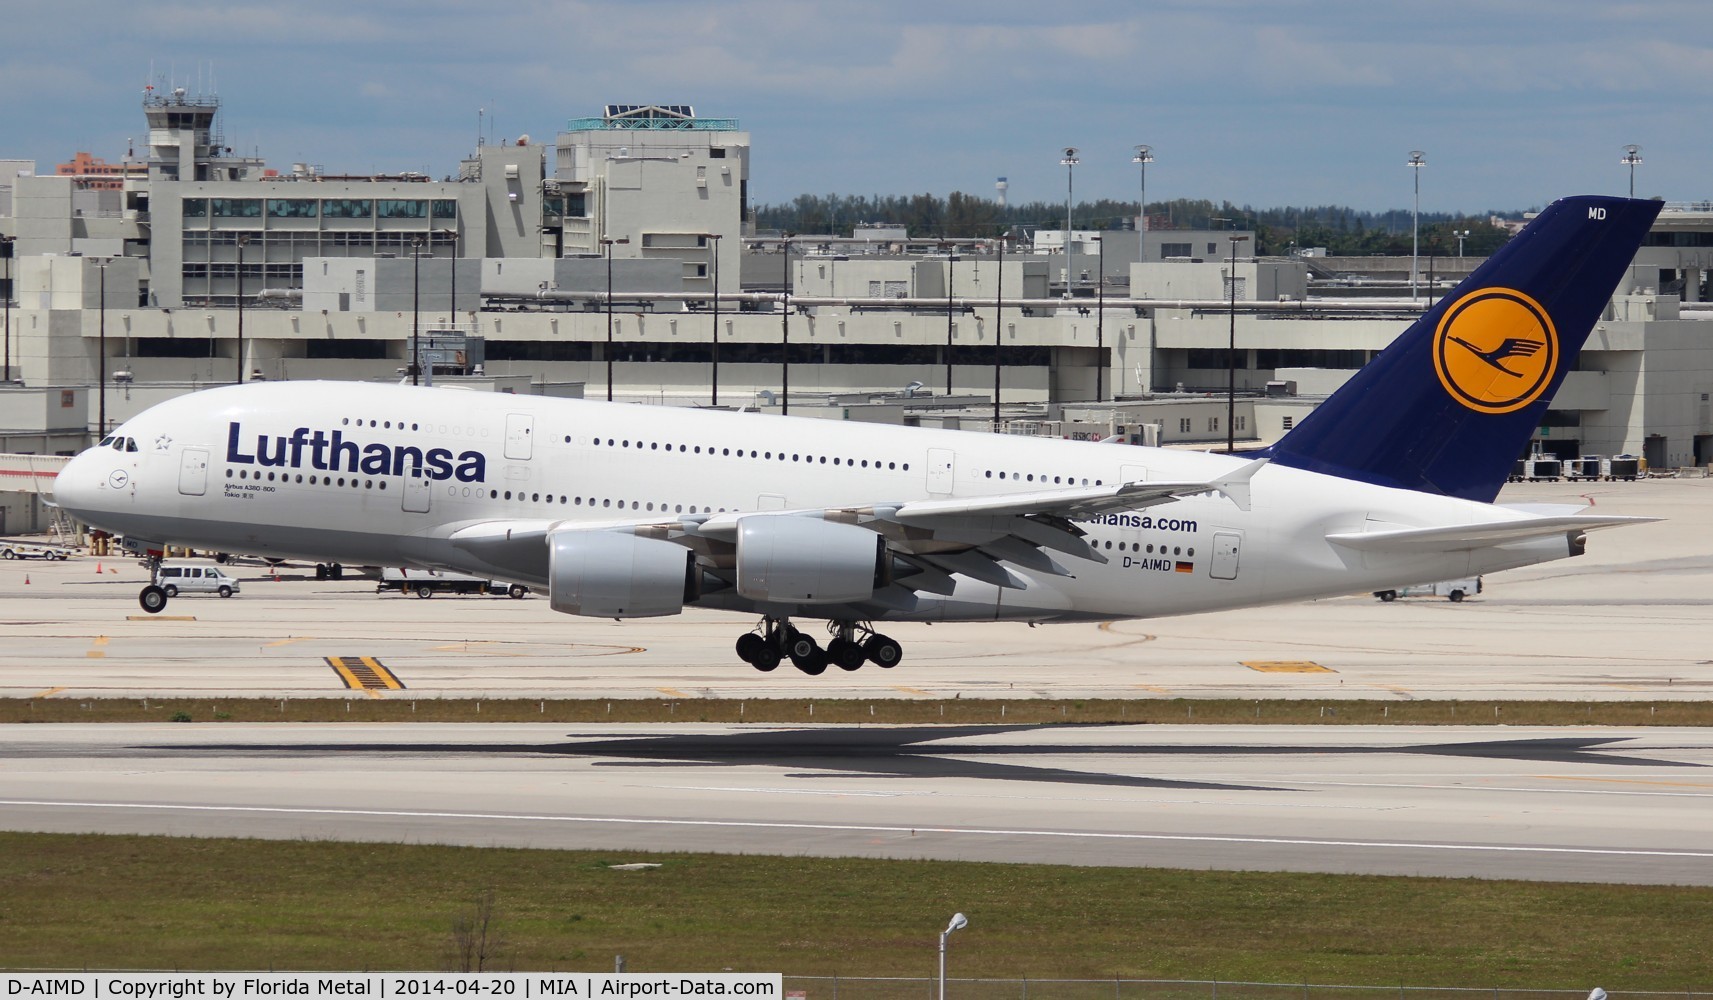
pixel 622 511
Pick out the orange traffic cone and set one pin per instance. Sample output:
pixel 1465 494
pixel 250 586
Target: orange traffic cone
pixel 97 569
pixel 26 579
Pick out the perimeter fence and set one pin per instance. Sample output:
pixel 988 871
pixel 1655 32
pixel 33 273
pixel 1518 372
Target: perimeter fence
pixel 843 988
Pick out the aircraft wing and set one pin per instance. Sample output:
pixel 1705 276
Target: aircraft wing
pixel 982 538
pixel 1086 500
pixel 1456 537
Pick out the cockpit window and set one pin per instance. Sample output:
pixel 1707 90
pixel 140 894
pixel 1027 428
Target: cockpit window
pixel 130 444
pixel 105 441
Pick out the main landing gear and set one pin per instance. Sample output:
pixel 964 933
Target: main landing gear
pixel 779 640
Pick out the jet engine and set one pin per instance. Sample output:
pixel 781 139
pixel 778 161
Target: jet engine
pixel 801 560
pixel 605 574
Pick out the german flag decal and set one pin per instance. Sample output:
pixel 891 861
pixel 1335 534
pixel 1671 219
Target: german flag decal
pixel 1184 567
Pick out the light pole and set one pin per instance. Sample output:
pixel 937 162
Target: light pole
pixel 1632 157
pixel 6 245
pixel 1070 163
pixel 785 328
pixel 101 340
pixel 715 372
pixel 998 327
pixel 607 243
pixel 959 922
pixel 1231 356
pixel 1144 156
pixel 452 297
pixel 1100 323
pixel 951 267
pixel 243 241
pixel 1418 160
pixel 1461 234
pixel 415 310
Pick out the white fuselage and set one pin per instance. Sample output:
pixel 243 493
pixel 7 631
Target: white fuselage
pixel 320 471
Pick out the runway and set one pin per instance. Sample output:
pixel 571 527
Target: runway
pixel 1591 805
pixel 1626 621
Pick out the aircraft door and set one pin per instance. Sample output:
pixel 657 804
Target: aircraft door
pixel 942 466
pixel 1226 545
pixel 193 472
pixel 1133 473
pixel 417 488
pixel 520 430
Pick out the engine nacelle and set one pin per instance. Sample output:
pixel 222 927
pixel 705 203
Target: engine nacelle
pixel 605 574
pixel 801 560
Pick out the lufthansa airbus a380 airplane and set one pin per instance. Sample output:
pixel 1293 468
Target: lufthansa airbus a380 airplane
pixel 624 511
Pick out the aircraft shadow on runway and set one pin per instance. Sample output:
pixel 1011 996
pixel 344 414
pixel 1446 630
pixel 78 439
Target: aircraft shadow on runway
pixel 936 752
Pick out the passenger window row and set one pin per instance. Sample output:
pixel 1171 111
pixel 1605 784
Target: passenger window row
pixel 607 503
pixel 1032 477
pixel 313 480
pixel 753 453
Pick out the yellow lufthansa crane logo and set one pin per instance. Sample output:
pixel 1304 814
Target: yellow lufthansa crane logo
pixel 1495 350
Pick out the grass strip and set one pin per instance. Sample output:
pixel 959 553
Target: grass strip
pixel 75 901
pixel 399 707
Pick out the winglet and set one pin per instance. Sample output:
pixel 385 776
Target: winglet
pixel 1235 487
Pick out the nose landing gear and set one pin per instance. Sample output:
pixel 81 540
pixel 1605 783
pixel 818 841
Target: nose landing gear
pixel 779 640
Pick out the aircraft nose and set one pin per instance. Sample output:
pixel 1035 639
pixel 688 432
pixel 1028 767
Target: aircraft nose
pixel 78 485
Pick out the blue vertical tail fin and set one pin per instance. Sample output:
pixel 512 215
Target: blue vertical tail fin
pixel 1449 406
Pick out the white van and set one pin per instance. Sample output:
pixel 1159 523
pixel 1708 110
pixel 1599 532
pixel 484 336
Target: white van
pixel 1452 590
pixel 180 576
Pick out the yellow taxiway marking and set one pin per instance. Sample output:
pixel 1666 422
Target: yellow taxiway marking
pixel 910 690
pixel 98 653
pixel 286 642
pixel 1157 689
pixel 49 693
pixel 1287 667
pixel 673 693
pixel 160 618
pixel 364 673
pixel 465 647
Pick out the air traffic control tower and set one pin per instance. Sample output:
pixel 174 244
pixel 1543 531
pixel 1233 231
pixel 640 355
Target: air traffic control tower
pixel 185 143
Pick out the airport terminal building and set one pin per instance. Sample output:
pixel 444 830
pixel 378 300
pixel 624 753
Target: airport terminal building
pixel 592 265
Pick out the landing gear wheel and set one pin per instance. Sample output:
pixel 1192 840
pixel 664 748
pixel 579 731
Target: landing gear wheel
pixel 815 664
pixel 153 599
pixel 170 590
pixel 883 651
pixel 800 645
pixel 766 658
pixel 321 571
pixel 846 654
pixel 749 645
pixel 336 571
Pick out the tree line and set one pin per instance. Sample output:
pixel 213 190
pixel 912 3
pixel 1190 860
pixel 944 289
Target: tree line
pixel 1342 230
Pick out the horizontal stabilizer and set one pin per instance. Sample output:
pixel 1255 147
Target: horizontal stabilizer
pixel 1456 537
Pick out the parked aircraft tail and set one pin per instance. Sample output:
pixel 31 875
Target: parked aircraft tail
pixel 1452 403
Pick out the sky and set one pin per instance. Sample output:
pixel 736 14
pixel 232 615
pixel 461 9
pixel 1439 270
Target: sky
pixel 1284 102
